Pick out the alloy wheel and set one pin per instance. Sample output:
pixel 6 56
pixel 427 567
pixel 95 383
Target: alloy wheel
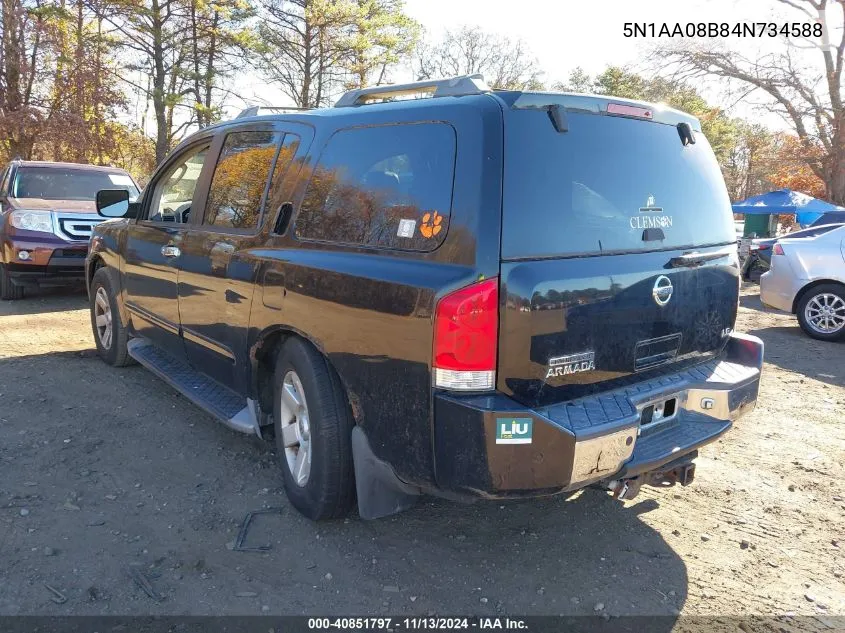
pixel 296 428
pixel 103 317
pixel 825 313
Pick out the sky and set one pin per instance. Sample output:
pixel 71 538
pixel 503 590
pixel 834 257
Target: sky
pixel 565 34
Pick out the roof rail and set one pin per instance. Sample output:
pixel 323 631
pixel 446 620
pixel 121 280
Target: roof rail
pixel 451 87
pixel 256 110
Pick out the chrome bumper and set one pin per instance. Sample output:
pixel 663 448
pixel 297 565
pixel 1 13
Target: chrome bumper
pixel 709 398
pixel 579 442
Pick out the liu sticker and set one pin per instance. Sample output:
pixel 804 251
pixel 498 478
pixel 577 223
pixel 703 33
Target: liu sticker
pixel 513 430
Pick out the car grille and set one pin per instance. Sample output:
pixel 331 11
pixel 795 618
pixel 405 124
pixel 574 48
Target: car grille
pixel 69 253
pixel 76 227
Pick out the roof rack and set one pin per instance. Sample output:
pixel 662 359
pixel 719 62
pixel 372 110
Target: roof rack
pixel 451 87
pixel 256 110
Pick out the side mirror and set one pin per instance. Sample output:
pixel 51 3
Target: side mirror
pixel 113 203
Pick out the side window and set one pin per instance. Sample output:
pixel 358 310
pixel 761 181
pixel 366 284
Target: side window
pixel 174 191
pixel 278 191
pixel 4 181
pixel 387 186
pixel 240 176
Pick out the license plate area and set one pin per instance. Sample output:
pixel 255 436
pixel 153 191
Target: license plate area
pixel 658 412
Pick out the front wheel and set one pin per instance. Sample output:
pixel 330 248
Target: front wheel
pixel 8 290
pixel 313 426
pixel 109 333
pixel 821 312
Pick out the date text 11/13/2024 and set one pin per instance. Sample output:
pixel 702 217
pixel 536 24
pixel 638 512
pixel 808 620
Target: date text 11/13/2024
pixel 416 624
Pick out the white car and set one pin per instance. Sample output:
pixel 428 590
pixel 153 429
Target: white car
pixel 807 278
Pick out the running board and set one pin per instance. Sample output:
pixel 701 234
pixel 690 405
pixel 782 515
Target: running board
pixel 234 411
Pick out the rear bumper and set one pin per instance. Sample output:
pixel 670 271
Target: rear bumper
pixel 779 288
pixel 571 445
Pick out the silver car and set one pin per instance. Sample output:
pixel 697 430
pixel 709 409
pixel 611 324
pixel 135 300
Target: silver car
pixel 807 278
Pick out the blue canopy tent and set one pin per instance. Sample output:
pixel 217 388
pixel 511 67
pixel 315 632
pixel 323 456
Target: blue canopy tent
pixel 806 209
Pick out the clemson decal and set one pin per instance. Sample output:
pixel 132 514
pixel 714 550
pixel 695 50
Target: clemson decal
pixel 432 224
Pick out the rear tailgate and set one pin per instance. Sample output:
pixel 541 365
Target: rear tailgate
pixel 618 249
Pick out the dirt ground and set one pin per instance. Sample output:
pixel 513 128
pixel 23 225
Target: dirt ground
pixel 109 479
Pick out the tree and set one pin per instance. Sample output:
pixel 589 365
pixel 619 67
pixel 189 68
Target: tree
pixel 790 171
pixel 58 81
pixel 381 36
pixel 186 48
pixel 755 155
pixel 22 71
pixel 505 63
pixel 578 81
pixel 313 48
pixel 303 45
pixel 152 33
pixel 220 43
pixel 85 92
pixel 809 97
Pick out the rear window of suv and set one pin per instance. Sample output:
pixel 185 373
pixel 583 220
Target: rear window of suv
pixel 386 186
pixel 597 188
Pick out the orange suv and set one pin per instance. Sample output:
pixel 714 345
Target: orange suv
pixel 47 213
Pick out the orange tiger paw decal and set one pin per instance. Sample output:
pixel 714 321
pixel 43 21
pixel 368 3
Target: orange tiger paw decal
pixel 432 224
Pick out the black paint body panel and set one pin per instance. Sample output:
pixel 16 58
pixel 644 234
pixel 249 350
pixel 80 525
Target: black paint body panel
pixel 222 302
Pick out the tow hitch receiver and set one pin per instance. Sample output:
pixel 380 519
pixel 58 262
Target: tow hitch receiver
pixel 668 476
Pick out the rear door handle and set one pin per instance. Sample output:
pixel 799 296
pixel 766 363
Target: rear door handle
pixel 171 251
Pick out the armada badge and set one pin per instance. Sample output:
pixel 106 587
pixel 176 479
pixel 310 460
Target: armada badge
pixel 571 364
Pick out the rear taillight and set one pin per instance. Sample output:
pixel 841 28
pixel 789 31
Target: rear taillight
pixel 466 327
pixel 777 250
pixel 763 247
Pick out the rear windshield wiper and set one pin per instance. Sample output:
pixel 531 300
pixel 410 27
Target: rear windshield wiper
pixel 558 117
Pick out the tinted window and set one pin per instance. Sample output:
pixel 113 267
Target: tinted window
pixel 173 192
pixel 240 177
pixel 66 183
pixel 388 186
pixel 278 191
pixel 600 185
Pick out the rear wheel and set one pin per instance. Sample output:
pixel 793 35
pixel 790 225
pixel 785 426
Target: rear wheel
pixel 313 427
pixel 8 290
pixel 109 334
pixel 821 312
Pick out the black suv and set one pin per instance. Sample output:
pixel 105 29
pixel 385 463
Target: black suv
pixel 439 288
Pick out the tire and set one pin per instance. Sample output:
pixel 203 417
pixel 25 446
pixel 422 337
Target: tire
pixel 324 426
pixel 811 312
pixel 8 290
pixel 111 348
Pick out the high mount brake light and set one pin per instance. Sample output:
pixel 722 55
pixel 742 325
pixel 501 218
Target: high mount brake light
pixel 627 110
pixel 466 328
pixel 777 250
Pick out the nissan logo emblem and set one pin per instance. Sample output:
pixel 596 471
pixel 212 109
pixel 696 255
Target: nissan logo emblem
pixel 662 291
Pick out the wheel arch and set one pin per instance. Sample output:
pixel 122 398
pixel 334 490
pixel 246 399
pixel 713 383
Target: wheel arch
pixel 262 358
pixel 95 264
pixel 813 284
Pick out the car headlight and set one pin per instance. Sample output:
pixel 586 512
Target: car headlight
pixel 32 221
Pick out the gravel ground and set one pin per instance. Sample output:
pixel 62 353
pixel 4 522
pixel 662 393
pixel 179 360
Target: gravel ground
pixel 111 480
